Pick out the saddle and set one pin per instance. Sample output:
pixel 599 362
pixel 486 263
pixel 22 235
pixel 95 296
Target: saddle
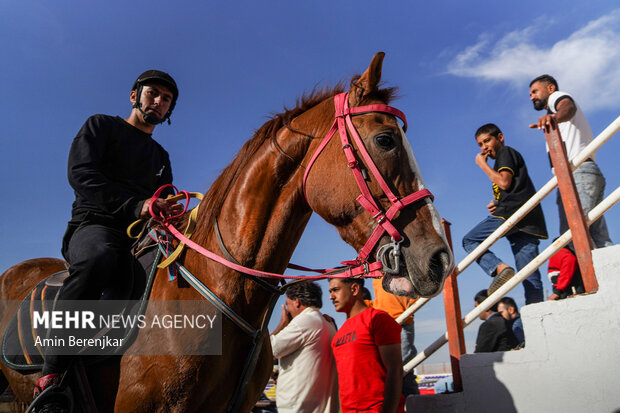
pixel 21 351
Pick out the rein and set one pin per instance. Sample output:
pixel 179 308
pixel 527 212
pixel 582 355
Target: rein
pixel 368 270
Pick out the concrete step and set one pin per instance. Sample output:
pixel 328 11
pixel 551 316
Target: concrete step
pixel 571 362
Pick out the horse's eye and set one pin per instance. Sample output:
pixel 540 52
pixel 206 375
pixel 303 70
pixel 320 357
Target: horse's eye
pixel 385 141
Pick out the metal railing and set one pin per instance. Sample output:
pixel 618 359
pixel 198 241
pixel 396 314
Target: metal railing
pixel 578 231
pixel 558 244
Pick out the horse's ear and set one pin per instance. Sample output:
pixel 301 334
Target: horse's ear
pixel 368 82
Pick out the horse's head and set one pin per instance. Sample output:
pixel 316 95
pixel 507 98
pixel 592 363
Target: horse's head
pixel 417 263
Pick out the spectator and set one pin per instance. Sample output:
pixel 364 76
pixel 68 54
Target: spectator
pixel 507 307
pixel 307 378
pixel 494 333
pixel 576 134
pixel 367 352
pixel 564 274
pixel 395 305
pixel 512 187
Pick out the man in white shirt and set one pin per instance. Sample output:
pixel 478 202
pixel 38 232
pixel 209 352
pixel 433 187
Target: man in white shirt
pixel 307 380
pixel 576 134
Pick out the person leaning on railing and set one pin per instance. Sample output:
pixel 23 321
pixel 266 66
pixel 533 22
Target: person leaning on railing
pixel 576 134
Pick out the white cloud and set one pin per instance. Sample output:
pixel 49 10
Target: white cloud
pixel 586 63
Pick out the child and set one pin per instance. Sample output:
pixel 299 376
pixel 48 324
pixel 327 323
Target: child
pixel 564 274
pixel 512 187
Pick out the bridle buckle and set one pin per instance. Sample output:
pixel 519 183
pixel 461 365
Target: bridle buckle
pixel 380 220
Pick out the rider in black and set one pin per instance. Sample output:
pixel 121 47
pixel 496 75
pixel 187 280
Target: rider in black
pixel 114 168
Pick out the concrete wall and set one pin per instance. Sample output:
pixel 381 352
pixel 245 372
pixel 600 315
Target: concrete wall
pixel 571 362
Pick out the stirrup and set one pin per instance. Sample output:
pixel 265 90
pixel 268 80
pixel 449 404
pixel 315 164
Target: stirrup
pixel 53 399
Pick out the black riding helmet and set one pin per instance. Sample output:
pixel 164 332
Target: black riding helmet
pixel 157 77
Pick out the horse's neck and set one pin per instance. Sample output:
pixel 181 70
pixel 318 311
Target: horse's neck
pixel 261 222
pixel 265 214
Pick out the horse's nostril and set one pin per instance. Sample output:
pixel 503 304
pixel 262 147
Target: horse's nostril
pixel 440 265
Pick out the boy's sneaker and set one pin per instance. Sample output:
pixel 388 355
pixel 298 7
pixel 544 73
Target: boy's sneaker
pixel 501 279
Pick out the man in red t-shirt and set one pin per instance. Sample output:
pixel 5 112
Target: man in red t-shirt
pixel 367 353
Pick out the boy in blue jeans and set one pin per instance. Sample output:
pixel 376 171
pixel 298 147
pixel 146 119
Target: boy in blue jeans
pixel 512 187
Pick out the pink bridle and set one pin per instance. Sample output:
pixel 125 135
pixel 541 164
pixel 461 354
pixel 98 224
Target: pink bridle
pixel 360 267
pixel 366 200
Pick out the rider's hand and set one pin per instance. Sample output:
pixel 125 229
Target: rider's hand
pixel 160 206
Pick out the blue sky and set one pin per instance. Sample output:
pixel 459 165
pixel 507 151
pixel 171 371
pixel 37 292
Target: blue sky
pixel 458 65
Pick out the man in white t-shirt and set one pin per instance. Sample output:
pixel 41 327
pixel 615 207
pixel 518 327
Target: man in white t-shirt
pixel 302 341
pixel 576 134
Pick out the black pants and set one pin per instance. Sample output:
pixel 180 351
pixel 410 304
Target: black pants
pixel 100 260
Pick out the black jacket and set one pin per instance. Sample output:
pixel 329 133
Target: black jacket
pixel 495 334
pixel 113 167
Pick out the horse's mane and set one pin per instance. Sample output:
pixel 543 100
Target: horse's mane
pixel 211 205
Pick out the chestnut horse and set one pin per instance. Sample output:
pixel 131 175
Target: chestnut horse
pixel 261 210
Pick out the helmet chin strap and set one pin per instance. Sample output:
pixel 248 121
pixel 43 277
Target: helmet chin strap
pixel 149 118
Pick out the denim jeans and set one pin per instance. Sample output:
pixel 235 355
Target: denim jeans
pixel 407 337
pixel 590 185
pixel 524 248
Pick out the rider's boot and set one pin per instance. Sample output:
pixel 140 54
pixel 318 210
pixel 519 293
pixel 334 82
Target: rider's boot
pixel 46 381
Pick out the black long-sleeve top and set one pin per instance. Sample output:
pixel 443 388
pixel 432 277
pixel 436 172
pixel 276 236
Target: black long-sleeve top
pixel 113 167
pixel 495 334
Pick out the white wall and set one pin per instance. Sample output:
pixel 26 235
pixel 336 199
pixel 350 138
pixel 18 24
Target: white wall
pixel 571 362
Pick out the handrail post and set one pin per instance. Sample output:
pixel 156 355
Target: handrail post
pixel 572 206
pixel 454 319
